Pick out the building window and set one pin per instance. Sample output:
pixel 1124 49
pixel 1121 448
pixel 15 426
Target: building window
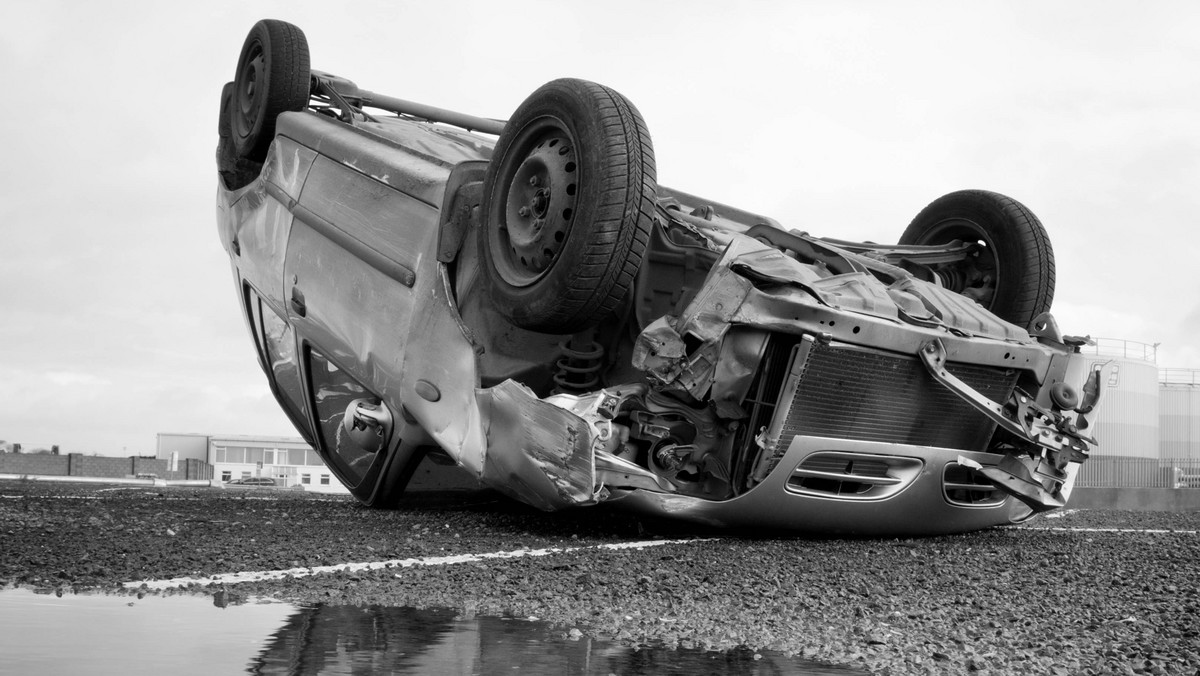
pixel 306 479
pixel 245 475
pixel 324 479
pixel 233 454
pixel 226 475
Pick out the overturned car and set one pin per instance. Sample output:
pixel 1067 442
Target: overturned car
pixel 522 299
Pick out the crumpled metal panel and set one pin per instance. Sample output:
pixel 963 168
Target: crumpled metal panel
pixel 864 293
pixel 754 285
pixel 531 450
pixel 453 419
pixel 537 452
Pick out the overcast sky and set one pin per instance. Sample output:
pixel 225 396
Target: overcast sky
pixel 118 317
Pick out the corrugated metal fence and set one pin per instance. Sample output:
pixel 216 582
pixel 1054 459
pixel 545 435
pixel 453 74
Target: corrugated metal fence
pixel 1102 472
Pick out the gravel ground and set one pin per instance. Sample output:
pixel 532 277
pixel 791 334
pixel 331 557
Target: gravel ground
pixel 1047 597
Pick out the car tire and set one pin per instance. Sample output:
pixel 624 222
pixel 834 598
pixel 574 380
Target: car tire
pixel 234 171
pixel 569 201
pixel 1013 275
pixel 272 78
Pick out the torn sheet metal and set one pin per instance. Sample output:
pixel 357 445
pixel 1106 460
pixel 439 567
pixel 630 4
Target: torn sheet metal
pixel 537 452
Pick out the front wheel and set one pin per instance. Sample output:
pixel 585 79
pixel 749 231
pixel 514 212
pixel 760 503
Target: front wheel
pixel 569 200
pixel 1012 272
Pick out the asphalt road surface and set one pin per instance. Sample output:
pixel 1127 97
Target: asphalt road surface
pixel 1088 592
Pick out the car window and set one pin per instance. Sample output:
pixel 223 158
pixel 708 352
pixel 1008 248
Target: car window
pixel 333 390
pixel 280 347
pixel 254 315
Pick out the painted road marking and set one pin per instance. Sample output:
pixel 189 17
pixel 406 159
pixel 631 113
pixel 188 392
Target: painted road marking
pixel 1080 529
pixel 50 497
pixel 264 575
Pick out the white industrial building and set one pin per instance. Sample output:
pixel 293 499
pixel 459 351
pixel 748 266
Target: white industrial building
pixel 289 461
pixel 1148 422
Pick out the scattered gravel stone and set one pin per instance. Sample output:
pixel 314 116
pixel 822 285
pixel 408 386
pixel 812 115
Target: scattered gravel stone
pixel 1037 598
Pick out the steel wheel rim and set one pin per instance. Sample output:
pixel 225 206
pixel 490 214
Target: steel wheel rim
pixel 250 88
pixel 537 203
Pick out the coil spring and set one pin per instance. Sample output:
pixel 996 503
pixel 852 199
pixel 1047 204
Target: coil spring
pixel 578 369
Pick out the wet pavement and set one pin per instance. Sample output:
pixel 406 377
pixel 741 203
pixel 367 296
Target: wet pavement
pixel 49 633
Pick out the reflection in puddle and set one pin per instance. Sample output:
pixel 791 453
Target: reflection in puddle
pixel 100 634
pixel 42 633
pixel 354 640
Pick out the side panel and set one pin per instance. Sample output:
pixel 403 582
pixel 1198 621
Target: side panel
pixel 357 315
pixel 353 253
pixel 255 222
pixel 366 212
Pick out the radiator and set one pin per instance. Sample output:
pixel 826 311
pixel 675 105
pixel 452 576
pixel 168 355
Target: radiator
pixel 849 392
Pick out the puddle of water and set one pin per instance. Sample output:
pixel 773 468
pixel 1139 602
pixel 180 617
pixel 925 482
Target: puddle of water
pixel 100 634
pixel 42 633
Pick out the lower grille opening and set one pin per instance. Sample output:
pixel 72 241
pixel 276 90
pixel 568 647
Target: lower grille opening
pixel 966 487
pixel 853 476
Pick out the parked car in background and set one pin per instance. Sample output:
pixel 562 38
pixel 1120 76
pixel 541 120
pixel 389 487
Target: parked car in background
pixel 521 298
pixel 252 481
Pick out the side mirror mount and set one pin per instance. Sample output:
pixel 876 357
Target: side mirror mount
pixel 368 423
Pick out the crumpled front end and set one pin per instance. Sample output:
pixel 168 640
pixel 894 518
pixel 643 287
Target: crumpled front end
pixel 878 358
pixel 785 396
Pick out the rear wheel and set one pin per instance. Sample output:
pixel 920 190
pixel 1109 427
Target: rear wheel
pixel 272 78
pixel 234 171
pixel 1012 274
pixel 569 195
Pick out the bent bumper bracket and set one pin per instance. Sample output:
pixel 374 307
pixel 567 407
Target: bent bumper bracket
pixel 1036 473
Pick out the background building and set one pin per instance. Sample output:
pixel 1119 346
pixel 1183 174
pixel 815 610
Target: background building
pixel 1148 422
pixel 289 461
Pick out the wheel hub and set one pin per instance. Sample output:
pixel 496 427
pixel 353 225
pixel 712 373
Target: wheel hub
pixel 539 209
pixel 975 276
pixel 248 95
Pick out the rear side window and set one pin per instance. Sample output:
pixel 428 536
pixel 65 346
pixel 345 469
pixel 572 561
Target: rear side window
pixel 279 345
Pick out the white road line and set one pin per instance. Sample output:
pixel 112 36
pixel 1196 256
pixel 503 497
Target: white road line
pixel 51 497
pixel 1080 529
pixel 263 575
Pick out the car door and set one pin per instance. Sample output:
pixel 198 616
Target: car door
pixel 353 253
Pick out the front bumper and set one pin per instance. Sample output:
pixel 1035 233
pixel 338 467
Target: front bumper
pixel 919 492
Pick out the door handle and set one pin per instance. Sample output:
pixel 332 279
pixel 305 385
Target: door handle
pixel 298 305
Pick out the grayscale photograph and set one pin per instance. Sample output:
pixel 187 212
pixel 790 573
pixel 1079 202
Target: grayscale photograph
pixel 600 338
